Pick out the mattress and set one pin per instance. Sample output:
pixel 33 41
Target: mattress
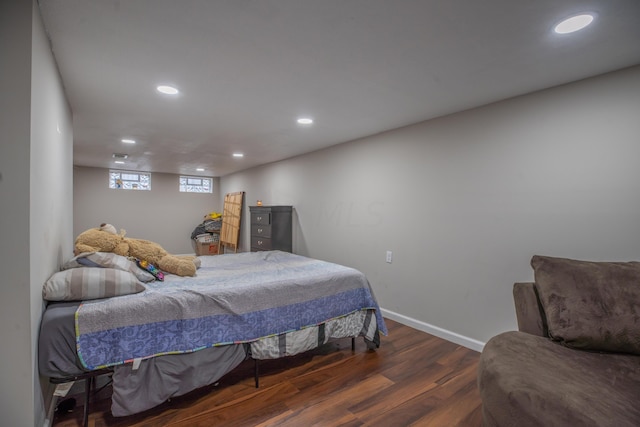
pixel 57 357
pixel 134 390
pixel 159 378
pixel 263 305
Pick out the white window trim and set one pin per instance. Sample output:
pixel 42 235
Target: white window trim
pixel 190 187
pixel 114 186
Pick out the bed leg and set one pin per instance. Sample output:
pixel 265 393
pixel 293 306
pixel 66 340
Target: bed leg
pixel 255 372
pixel 87 392
pixel 353 343
pixel 52 410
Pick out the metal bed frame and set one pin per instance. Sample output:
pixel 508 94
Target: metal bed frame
pixel 89 383
pixel 90 377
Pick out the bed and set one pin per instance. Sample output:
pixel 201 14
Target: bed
pixel 183 333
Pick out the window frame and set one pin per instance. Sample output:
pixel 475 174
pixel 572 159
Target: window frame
pixel 188 187
pixel 129 184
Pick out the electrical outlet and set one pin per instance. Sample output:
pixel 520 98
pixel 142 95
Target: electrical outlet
pixel 389 256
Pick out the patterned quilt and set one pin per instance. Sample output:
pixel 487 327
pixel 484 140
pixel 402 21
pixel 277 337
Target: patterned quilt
pixel 235 298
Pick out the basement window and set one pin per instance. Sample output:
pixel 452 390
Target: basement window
pixel 195 184
pixel 128 180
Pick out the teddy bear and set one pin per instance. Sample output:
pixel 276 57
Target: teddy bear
pixel 106 239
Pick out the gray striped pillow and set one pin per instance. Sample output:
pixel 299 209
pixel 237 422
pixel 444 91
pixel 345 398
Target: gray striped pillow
pixel 109 260
pixel 85 283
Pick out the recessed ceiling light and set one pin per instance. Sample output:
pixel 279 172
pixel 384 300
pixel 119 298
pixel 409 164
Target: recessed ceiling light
pixel 200 169
pixel 305 120
pixel 574 23
pixel 128 141
pixel 238 155
pixel 119 162
pixel 168 90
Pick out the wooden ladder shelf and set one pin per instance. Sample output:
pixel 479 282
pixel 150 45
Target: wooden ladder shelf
pixel 231 218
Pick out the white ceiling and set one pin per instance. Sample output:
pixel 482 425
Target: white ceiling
pixel 247 69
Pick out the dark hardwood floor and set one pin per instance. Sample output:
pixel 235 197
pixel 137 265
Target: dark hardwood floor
pixel 413 379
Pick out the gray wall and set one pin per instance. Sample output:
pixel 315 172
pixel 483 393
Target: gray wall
pixel 464 201
pixel 163 215
pixel 35 189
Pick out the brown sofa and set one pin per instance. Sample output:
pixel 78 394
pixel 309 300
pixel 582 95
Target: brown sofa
pixel 575 360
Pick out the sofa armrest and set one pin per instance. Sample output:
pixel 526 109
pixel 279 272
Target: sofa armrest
pixel 528 310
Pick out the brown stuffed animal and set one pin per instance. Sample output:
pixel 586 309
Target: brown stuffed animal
pixel 101 239
pixel 105 239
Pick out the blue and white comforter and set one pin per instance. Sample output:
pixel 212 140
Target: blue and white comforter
pixel 234 298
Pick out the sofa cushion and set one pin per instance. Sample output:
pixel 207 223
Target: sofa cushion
pixel 527 380
pixel 590 305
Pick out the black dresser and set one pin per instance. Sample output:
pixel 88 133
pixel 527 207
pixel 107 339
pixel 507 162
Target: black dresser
pixel 271 228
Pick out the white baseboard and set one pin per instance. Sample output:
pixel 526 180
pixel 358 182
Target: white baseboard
pixel 434 330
